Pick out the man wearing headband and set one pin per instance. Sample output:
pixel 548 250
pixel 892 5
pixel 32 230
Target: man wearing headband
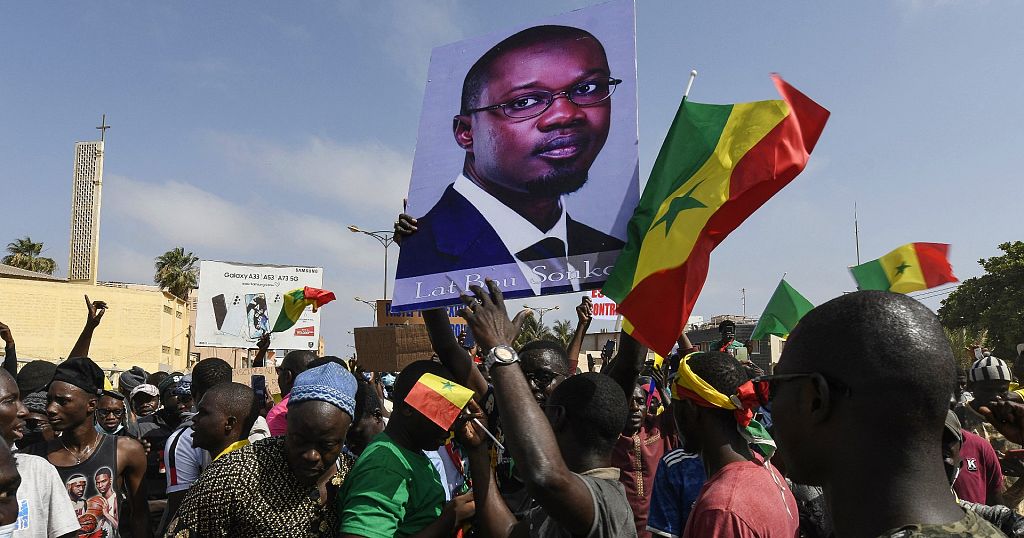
pixel 745 495
pixel 279 486
pixel 860 397
pixel 81 450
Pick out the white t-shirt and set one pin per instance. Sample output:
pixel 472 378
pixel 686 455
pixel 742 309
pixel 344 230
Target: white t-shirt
pixel 184 462
pixel 44 508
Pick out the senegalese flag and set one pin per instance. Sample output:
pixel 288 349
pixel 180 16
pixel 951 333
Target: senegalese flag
pixel 718 164
pixel 439 399
pixel 782 313
pixel 912 267
pixel 296 301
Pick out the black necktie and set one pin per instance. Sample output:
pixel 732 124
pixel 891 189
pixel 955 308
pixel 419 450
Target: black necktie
pixel 549 252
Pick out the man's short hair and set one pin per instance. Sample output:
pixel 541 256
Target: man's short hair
pixel 298 360
pixel 478 75
pixel 103 471
pixel 237 400
pixel 889 349
pixel 412 373
pixel 595 409
pixel 542 346
pixel 720 370
pixel 208 373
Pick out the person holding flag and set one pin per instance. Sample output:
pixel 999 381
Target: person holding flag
pixel 394 489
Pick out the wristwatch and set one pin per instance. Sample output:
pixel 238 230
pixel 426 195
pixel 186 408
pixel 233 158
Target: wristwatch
pixel 500 355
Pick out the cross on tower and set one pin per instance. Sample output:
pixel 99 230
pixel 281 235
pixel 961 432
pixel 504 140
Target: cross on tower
pixel 103 127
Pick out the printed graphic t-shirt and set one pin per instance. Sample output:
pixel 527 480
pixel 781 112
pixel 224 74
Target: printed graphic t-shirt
pixel 44 509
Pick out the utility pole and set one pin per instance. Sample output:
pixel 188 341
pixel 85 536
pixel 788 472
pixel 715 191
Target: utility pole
pixel 743 291
pixel 856 232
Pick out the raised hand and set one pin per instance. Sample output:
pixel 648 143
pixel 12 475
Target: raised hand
pixel 468 433
pixel 5 334
pixel 1007 417
pixel 404 227
pixel 520 319
pixel 96 311
pixel 585 311
pixel 487 318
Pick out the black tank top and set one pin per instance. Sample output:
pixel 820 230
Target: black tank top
pixel 92 486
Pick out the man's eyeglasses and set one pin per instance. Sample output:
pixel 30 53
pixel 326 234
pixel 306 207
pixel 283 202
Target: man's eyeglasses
pixel 542 378
pixel 107 412
pixel 774 381
pixel 586 93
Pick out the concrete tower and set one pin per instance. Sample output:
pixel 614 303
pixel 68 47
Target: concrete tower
pixel 85 209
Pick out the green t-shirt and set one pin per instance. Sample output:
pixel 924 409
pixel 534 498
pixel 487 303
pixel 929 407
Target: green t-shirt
pixel 390 492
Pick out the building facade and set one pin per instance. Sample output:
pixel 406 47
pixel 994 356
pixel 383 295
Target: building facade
pixel 143 326
pixel 86 189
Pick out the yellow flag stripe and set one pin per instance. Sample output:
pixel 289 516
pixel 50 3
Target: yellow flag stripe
pixel 453 392
pixel 903 269
pixel 747 125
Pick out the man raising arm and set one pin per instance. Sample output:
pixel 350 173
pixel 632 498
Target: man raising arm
pixel 566 463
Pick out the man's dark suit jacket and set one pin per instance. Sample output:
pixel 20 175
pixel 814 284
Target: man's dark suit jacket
pixel 453 235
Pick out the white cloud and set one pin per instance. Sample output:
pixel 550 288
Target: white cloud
pixel 362 178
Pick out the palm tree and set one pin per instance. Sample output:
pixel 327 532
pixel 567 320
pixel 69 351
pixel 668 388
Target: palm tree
pixel 177 273
pixel 532 330
pixel 24 253
pixel 563 332
pixel 960 340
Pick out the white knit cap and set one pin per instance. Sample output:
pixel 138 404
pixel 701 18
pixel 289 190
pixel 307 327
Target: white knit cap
pixel 989 368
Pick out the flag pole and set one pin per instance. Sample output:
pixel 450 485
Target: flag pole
pixel 856 232
pixel 689 84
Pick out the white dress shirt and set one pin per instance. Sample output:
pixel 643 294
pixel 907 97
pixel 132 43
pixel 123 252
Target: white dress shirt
pixel 515 232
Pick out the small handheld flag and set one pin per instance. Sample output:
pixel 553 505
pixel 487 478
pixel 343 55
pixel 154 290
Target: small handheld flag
pixel 439 399
pixel 296 301
pixel 911 267
pixel 784 310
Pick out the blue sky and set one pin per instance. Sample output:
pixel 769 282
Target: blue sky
pixel 258 131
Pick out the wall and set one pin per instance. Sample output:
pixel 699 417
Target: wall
pixel 143 327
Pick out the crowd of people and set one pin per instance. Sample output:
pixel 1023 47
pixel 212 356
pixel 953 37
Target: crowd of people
pixel 865 427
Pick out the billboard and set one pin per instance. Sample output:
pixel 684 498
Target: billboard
pixel 238 303
pixel 526 166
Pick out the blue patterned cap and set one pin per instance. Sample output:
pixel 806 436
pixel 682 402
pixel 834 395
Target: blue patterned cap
pixel 330 383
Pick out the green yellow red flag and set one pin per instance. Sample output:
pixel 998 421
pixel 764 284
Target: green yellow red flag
pixel 782 313
pixel 911 267
pixel 296 301
pixel 439 399
pixel 718 164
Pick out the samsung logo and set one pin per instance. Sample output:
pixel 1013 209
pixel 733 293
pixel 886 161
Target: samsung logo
pixel 306 270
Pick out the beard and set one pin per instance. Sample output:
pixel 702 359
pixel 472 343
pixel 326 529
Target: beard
pixel 562 180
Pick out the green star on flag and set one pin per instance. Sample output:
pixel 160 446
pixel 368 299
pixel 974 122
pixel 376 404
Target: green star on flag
pixel 448 386
pixel 901 267
pixel 678 205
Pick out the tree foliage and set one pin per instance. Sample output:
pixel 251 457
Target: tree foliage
pixel 176 272
pixel 992 303
pixel 25 254
pixel 533 329
pixel 962 340
pixel 563 332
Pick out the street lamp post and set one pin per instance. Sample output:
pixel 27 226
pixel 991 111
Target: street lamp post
pixel 542 311
pixel 372 305
pixel 385 238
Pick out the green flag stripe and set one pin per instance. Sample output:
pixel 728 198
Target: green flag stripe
pixel 870 276
pixel 690 141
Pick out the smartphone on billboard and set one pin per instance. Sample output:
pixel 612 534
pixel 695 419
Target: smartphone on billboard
pixel 220 310
pixel 256 315
pixel 259 386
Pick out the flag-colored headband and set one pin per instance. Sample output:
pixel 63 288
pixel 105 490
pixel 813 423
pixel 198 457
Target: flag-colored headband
pixel 689 386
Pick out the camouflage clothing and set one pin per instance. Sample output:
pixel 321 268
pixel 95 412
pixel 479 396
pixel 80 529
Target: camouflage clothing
pixel 971 525
pixel 1001 517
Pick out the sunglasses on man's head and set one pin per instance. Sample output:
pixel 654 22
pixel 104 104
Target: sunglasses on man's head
pixel 774 381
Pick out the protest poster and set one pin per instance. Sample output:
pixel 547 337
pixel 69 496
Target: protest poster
pixel 603 307
pixel 526 166
pixel 239 303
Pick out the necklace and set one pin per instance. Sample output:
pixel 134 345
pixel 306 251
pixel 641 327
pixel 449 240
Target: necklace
pixel 78 460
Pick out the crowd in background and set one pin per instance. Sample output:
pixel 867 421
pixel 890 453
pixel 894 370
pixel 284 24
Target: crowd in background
pixel 864 428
